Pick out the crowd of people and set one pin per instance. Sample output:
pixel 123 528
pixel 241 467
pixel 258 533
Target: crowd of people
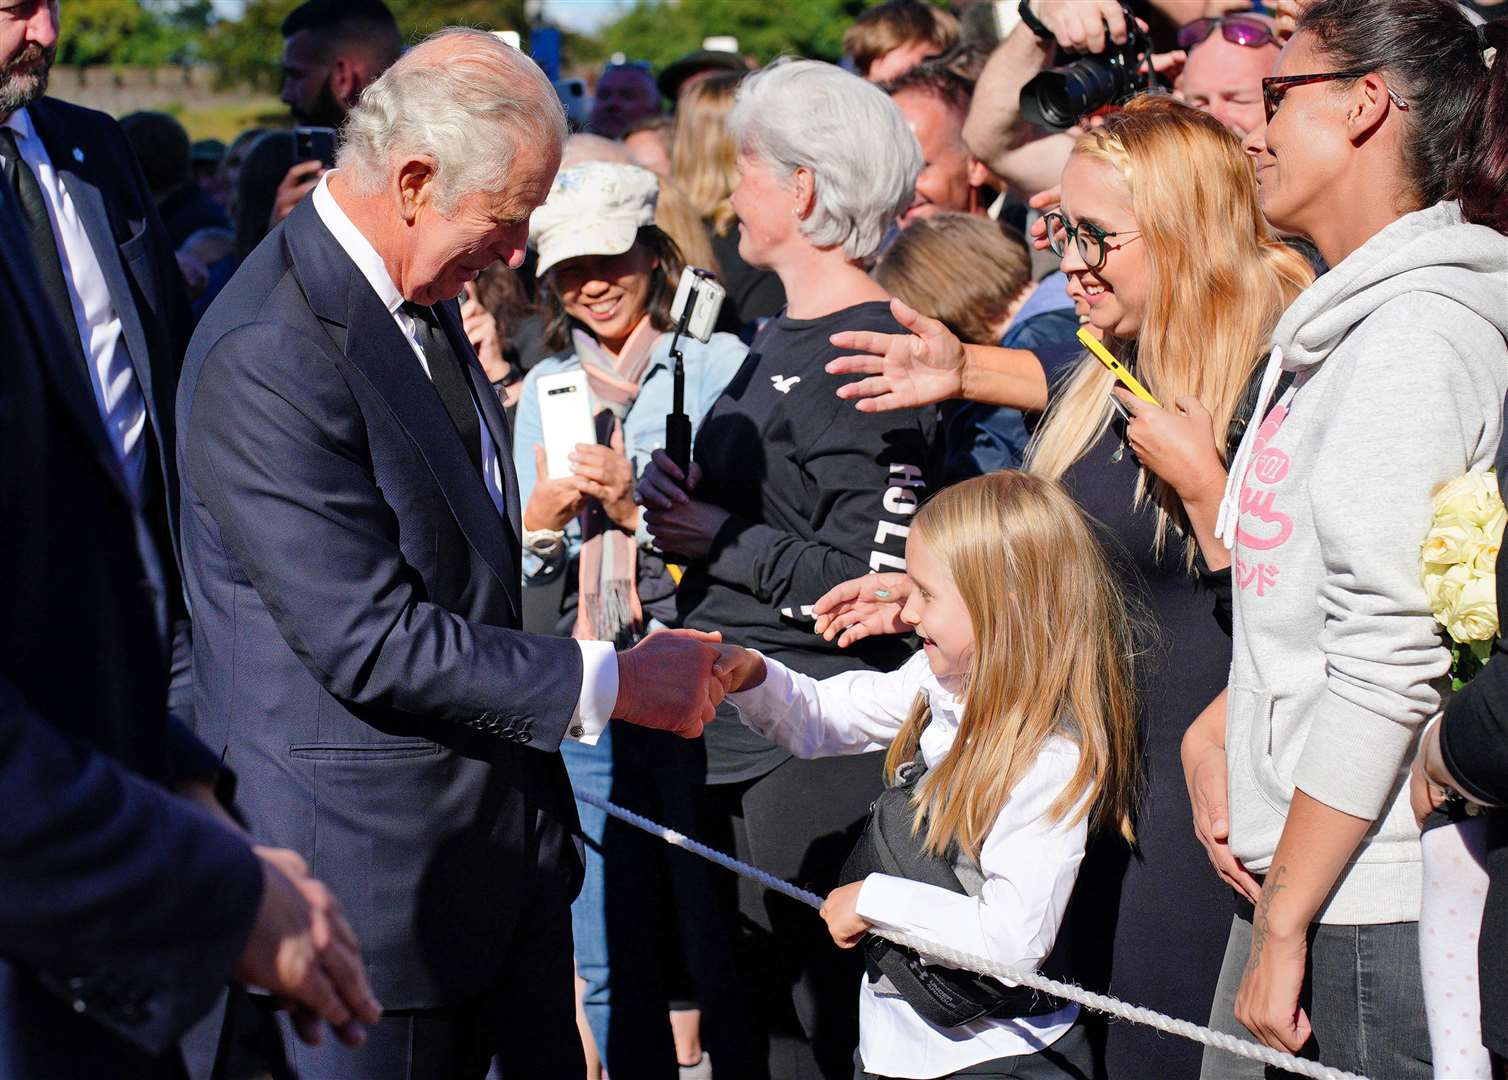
pixel 1044 580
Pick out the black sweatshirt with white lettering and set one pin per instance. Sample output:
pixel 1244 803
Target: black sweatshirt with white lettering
pixel 818 492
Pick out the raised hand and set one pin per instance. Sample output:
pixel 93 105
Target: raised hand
pixel 667 682
pixel 905 371
pixel 302 950
pixel 863 607
pixel 297 182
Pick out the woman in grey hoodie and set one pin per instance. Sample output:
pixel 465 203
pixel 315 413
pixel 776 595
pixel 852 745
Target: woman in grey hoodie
pixel 1383 148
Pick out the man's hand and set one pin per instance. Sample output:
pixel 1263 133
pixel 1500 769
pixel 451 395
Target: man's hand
pixel 905 371
pixel 1080 24
pixel 1205 773
pixel 864 606
pixel 739 668
pixel 668 682
pixel 302 950
pixel 840 911
pixel 296 183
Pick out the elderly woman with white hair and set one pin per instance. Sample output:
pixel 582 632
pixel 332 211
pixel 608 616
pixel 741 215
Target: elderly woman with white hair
pixel 789 494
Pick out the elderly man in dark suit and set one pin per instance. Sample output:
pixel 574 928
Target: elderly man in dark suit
pixel 351 526
pixel 128 897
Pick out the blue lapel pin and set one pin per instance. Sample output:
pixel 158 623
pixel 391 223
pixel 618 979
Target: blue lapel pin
pixel 78 155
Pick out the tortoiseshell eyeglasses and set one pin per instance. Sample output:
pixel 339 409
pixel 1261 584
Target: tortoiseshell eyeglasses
pixel 1273 89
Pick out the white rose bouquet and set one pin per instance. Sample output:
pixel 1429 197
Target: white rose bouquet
pixel 1459 557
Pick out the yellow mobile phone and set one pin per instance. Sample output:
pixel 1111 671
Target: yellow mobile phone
pixel 1117 368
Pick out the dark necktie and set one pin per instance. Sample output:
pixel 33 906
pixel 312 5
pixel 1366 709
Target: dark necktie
pixel 44 246
pixel 448 372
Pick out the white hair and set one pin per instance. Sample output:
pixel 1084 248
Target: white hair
pixel 469 108
pixel 847 132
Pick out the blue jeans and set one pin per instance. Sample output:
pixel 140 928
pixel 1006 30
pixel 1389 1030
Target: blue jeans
pixel 1362 991
pixel 622 918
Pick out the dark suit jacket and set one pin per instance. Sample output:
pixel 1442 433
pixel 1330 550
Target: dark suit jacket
pixel 354 593
pixel 122 908
pixel 135 255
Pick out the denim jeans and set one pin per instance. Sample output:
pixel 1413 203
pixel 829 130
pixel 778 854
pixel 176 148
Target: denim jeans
pixel 1362 992
pixel 615 919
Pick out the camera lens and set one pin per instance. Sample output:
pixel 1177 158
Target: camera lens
pixel 1058 97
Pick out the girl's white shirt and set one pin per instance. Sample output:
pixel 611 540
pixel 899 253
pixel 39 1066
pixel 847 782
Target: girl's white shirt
pixel 1029 862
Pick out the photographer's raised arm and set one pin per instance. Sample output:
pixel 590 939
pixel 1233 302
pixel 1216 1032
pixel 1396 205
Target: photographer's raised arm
pixel 994 132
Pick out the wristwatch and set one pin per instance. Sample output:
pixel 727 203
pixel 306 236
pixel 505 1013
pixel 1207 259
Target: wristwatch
pixel 543 542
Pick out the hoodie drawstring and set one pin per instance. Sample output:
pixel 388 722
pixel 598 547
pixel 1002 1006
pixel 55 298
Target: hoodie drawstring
pixel 1230 502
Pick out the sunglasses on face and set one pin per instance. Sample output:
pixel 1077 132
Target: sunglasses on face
pixel 1276 88
pixel 1238 31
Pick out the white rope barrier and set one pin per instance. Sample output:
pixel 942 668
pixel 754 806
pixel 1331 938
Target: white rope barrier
pixel 953 958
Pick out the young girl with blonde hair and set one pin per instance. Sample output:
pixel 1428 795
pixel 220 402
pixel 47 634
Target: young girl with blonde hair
pixel 1166 249
pixel 1013 733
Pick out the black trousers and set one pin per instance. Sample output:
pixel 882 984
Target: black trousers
pixel 801 992
pixel 1070 1058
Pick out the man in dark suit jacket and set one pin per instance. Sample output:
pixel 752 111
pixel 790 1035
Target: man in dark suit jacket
pixel 110 278
pixel 124 905
pixel 351 531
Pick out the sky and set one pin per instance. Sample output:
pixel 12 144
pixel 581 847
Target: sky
pixel 584 16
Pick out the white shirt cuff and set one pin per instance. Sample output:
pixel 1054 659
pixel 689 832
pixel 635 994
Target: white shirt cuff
pixel 599 691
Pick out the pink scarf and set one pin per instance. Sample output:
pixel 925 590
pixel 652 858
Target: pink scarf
pixel 607 607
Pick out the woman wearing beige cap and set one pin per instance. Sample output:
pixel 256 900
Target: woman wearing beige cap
pixel 608 276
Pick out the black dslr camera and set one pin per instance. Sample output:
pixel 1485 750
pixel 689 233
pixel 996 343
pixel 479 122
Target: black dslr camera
pixel 1059 97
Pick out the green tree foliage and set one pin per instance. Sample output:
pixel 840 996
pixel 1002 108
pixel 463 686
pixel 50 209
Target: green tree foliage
pixel 661 30
pixel 131 31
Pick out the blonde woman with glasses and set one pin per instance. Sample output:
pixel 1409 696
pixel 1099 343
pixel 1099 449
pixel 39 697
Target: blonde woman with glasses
pixel 1166 249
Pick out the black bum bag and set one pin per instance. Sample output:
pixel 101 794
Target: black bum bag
pixel 941 995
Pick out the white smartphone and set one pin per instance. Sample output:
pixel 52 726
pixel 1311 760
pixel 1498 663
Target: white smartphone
pixel 565 417
pixel 700 289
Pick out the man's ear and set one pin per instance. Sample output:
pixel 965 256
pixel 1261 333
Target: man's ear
pixel 1367 104
pixel 416 182
pixel 345 81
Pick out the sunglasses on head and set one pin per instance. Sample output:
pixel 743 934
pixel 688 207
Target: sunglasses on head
pixel 1274 89
pixel 1252 33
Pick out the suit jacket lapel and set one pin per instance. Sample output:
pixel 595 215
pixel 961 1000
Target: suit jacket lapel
pixel 77 398
pixel 373 343
pixel 491 410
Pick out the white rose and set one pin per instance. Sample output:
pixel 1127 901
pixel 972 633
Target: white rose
pixel 1471 499
pixel 1474 617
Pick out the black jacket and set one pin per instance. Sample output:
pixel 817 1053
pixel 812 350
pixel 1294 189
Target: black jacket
pixel 123 908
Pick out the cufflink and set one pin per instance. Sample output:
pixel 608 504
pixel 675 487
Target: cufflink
pixel 577 731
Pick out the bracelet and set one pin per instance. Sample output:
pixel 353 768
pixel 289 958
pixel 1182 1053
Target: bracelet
pixel 1036 25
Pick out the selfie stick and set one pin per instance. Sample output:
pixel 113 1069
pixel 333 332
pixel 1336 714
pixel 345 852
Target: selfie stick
pixel 678 423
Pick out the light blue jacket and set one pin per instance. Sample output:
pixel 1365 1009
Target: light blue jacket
pixel 709 368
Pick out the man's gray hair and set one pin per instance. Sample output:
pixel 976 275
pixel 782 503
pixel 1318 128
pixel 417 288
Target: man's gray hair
pixel 461 97
pixel 848 133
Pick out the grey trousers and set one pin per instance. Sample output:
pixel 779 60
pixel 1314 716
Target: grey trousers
pixel 1362 991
